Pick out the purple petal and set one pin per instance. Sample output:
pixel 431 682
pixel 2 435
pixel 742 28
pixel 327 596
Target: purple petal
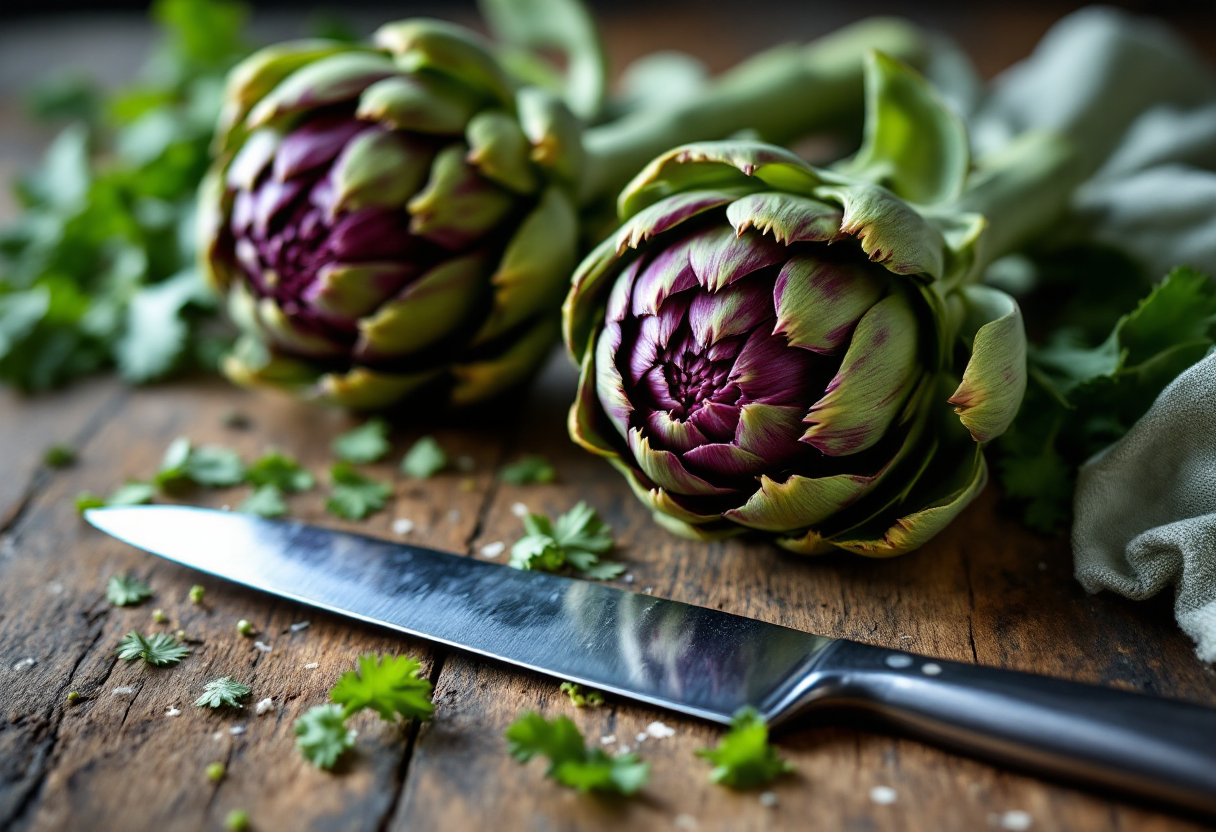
pixel 769 371
pixel 609 387
pixel 243 204
pixel 725 460
pixel 673 434
pixel 771 432
pixel 735 310
pixel 716 421
pixel 665 274
pixel 665 469
pixel 373 234
pixel 618 299
pixel 271 201
pixel 316 143
pixel 719 258
pixel 655 382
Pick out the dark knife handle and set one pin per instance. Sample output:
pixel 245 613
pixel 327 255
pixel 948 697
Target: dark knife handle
pixel 1157 748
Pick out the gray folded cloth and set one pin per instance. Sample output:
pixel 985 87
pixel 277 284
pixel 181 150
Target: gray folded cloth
pixel 1146 507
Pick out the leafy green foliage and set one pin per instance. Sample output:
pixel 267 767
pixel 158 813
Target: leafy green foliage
pixel 576 539
pixel 389 685
pixel 59 456
pixel 322 735
pixel 743 758
pixel 571 763
pixel 222 692
pixel 211 465
pixel 366 443
pixel 265 501
pixel 126 590
pixel 98 269
pixel 424 459
pixel 528 470
pixel 355 496
pixel 1083 397
pixel 131 493
pixel 157 649
pixel 281 471
pixel 581 698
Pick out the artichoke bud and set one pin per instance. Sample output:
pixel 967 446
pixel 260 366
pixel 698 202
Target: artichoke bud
pixel 390 220
pixel 771 347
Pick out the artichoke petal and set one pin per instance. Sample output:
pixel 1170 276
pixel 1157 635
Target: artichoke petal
pixel 666 215
pixel 501 152
pixel 819 302
pixel 346 292
pixel 479 380
pixel 582 419
pixel 554 132
pixel 659 501
pixel 892 233
pixel 718 257
pixel 253 159
pixel 788 217
pixel 286 332
pixel 424 311
pixel 449 49
pixel 879 371
pixel 364 389
pixel 251 363
pixel 330 80
pixel 379 168
pixel 690 531
pixel 994 380
pixel 667 471
pixel 421 104
pixel 533 272
pixel 609 385
pixel 213 203
pixel 457 207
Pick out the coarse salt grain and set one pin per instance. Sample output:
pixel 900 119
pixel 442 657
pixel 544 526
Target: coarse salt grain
pixel 122 691
pixel 263 646
pixel 660 731
pixel 519 510
pixel 883 795
pixel 403 526
pixel 312 665
pixel 1015 820
pixel 648 590
pixel 454 516
pixel 173 712
pixel 25 664
pixel 55 588
pixel 236 730
pixel 493 550
pixel 608 739
pixel 299 625
pixel 641 738
pixel 768 800
pixel 264 707
pixel 685 823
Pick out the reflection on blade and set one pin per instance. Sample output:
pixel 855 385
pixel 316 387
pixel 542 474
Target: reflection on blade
pixel 699 661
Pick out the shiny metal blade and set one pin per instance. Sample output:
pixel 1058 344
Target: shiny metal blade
pixel 690 659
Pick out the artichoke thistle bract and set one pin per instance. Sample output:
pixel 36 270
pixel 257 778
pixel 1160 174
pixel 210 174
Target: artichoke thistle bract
pixel 805 353
pixel 390 218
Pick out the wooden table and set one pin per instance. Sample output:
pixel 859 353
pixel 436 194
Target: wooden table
pixel 983 591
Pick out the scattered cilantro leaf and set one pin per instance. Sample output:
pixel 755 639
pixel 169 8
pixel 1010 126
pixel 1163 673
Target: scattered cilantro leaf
pixel 322 735
pixel 424 459
pixel 582 698
pixel 366 443
pixel 158 649
pixel 389 685
pixel 528 470
pixel 281 471
pixel 237 821
pixel 210 465
pixel 126 590
pixel 355 496
pixel 743 758
pixel 215 772
pixel 225 691
pixel 132 493
pixel 265 501
pixel 59 456
pixel 576 539
pixel 571 763
pixel 86 500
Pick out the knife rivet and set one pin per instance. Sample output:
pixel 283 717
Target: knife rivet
pixel 931 669
pixel 899 660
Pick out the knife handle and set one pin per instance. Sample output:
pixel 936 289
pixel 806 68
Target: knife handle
pixel 1158 748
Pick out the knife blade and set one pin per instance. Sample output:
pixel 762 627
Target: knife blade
pixel 697 661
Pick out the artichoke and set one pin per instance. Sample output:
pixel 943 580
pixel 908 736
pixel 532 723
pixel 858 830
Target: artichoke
pixel 806 353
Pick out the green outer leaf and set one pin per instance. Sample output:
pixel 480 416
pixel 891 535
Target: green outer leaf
pixel 448 49
pixel 378 169
pixel 913 145
pixel 994 380
pixel 553 131
pixel 563 25
pixel 364 389
pixel 892 232
pixel 479 380
pixel 500 151
pixel 329 80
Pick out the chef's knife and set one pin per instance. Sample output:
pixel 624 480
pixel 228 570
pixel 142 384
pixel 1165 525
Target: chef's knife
pixel 694 660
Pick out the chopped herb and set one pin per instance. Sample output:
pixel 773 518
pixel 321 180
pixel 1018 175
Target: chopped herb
pixel 322 735
pixel 132 493
pixel 576 539
pixel 158 616
pixel 125 591
pixel 237 821
pixel 281 471
pixel 744 758
pixel 73 697
pixel 389 685
pixel 582 698
pixel 59 456
pixel 210 465
pixel 571 763
pixel 245 628
pixel 425 459
pixel 366 443
pixel 222 692
pixel 265 501
pixel 528 470
pixel 355 496
pixel 235 419
pixel 158 649
pixel 196 594
pixel 215 772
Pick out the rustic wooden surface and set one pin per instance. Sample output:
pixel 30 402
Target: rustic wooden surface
pixel 985 591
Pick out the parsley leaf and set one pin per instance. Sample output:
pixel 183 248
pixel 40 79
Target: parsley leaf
pixel 125 590
pixel 744 758
pixel 157 649
pixel 570 762
pixel 281 471
pixel 265 501
pixel 211 465
pixel 59 456
pixel 355 496
pixel 366 443
pixel 528 470
pixel 132 493
pixel 582 698
pixel 221 692
pixel 425 459
pixel 389 685
pixel 577 539
pixel 322 735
